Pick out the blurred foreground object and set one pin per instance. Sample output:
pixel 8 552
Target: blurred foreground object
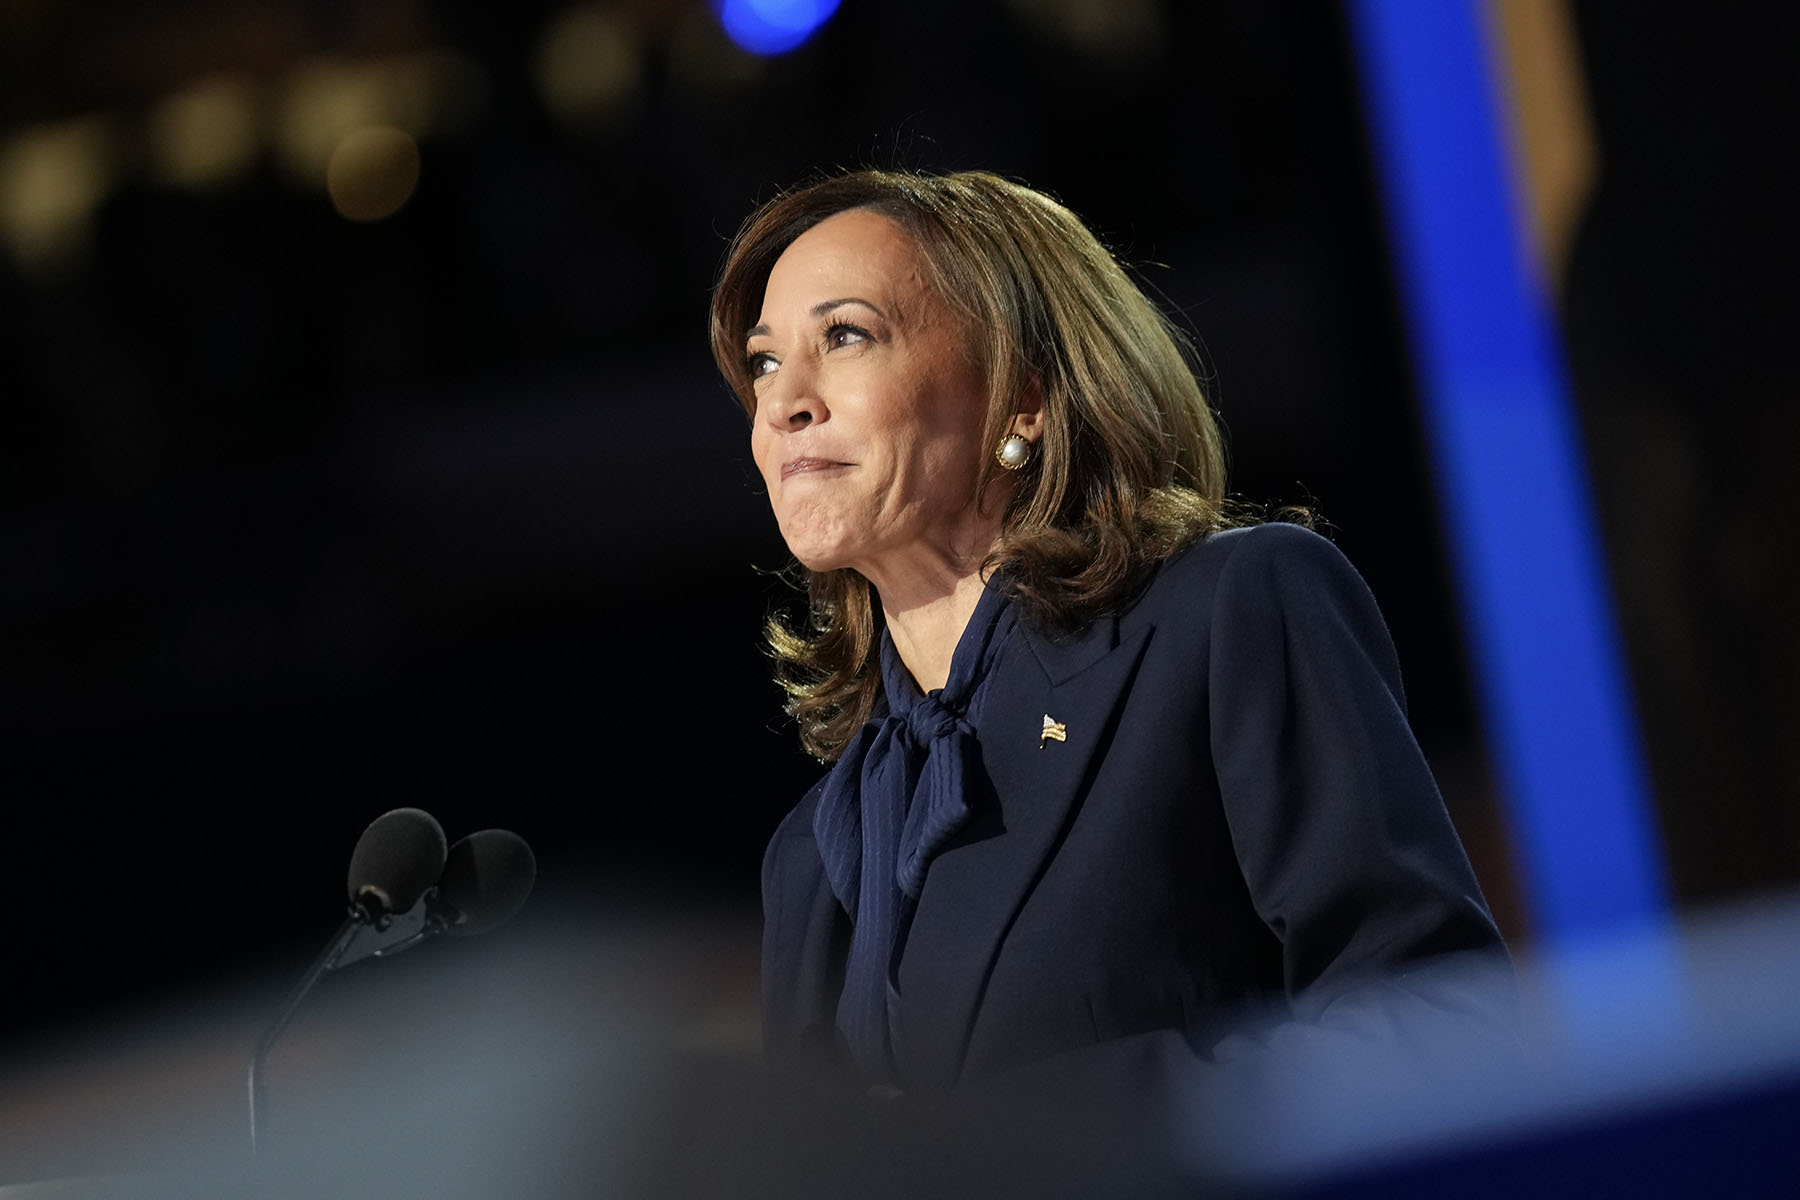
pixel 617 1057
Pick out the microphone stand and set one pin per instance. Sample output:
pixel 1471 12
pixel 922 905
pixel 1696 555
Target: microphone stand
pixel 328 958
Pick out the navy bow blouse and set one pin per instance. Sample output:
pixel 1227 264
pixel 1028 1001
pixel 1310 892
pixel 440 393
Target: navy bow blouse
pixel 898 794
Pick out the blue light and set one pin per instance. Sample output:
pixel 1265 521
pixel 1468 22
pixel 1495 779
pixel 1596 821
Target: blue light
pixel 1510 473
pixel 773 26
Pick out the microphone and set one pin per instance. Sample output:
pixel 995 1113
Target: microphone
pixel 397 857
pixel 487 877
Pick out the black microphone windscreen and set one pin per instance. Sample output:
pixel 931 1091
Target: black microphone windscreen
pixel 486 879
pixel 399 855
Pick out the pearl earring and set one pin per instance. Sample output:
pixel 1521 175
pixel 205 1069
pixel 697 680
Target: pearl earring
pixel 1014 452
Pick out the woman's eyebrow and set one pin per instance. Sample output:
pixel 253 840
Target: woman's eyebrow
pixel 825 306
pixel 819 310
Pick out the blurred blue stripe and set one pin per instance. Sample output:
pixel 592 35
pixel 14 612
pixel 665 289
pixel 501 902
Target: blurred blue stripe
pixel 1509 471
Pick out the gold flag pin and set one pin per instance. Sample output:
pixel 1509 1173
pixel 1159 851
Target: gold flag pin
pixel 1053 731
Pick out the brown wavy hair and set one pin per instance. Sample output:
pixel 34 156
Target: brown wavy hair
pixel 1130 466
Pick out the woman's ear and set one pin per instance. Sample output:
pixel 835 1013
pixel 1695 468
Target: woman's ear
pixel 1028 418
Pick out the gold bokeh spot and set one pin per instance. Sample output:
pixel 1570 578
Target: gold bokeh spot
pixel 373 173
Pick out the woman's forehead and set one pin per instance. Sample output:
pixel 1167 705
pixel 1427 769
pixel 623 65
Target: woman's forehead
pixel 858 249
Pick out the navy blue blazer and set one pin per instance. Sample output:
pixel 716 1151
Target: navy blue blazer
pixel 1239 814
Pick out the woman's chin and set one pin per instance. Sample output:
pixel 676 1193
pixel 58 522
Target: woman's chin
pixel 817 549
pixel 819 566
pixel 815 557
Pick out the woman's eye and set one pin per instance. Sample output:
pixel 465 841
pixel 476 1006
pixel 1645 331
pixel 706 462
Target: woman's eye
pixel 844 335
pixel 759 365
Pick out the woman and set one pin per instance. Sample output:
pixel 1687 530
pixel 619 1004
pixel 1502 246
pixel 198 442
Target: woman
pixel 1108 770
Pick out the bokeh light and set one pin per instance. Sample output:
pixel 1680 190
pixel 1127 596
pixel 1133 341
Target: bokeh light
pixel 773 26
pixel 326 100
pixel 205 135
pixel 588 63
pixel 51 179
pixel 373 172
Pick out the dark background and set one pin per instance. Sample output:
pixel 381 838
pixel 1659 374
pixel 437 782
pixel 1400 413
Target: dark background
pixel 303 518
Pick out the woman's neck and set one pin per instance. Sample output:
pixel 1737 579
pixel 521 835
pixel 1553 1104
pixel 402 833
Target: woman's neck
pixel 927 630
pixel 929 591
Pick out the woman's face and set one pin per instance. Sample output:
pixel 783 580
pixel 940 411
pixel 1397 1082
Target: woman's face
pixel 869 406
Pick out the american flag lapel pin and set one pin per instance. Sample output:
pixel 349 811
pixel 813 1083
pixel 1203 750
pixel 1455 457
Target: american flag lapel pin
pixel 1054 731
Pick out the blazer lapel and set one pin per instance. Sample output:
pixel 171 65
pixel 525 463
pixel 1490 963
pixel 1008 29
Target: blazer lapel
pixel 975 888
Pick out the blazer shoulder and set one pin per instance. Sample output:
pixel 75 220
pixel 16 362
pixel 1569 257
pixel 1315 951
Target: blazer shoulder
pixel 1266 561
pixel 1285 589
pixel 1271 546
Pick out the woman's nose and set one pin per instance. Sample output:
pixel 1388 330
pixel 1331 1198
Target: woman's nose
pixel 790 400
pixel 796 416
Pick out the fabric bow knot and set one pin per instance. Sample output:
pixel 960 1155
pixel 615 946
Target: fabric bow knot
pixel 898 795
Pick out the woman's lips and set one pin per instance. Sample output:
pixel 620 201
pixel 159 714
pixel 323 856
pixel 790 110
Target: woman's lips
pixel 802 466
